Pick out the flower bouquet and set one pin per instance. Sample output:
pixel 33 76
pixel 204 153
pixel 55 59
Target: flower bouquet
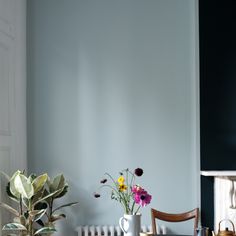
pixel 124 190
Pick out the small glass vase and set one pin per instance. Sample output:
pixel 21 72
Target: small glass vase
pixel 130 224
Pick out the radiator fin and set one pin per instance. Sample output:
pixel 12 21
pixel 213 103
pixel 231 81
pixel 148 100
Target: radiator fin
pixel 111 230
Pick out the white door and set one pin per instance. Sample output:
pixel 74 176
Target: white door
pixel 12 91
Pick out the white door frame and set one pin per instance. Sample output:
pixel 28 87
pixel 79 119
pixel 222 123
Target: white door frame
pixel 12 91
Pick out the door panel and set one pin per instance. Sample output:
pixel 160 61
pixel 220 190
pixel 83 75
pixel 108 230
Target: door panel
pixel 12 94
pixel 7 110
pixel 5 156
pixel 4 87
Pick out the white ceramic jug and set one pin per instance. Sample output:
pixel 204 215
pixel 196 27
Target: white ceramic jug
pixel 130 225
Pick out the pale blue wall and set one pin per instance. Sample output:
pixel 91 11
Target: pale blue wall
pixel 110 86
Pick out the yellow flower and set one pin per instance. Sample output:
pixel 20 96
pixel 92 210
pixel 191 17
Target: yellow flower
pixel 122 187
pixel 121 180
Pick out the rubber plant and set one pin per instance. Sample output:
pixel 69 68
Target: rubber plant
pixel 35 196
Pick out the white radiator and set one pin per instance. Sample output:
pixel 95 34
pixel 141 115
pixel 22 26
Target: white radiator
pixel 110 230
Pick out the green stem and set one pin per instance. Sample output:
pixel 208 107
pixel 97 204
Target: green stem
pixel 126 205
pixel 132 179
pixel 137 210
pixel 132 209
pixel 50 212
pixel 120 195
pixel 50 208
pixel 111 178
pixel 30 219
pixel 20 204
pixel 124 197
pixel 127 180
pixel 109 186
pixel 130 193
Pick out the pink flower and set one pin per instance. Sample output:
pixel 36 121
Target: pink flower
pixel 142 198
pixel 137 189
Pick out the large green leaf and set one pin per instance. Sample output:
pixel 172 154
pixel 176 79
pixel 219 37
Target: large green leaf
pixel 20 220
pixel 45 193
pixel 49 182
pixel 46 197
pixel 17 220
pixel 10 195
pixel 55 217
pixel 25 201
pixel 23 186
pixel 38 195
pixel 45 230
pixel 57 183
pixel 9 208
pixel 14 226
pixel 39 182
pixel 40 206
pixel 13 190
pixel 40 222
pixel 32 177
pixel 63 192
pixel 65 205
pixel 37 214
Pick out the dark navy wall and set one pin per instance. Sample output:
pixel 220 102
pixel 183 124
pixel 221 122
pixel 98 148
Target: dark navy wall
pixel 217 21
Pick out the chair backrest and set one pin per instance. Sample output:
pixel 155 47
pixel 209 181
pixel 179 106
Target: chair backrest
pixel 193 214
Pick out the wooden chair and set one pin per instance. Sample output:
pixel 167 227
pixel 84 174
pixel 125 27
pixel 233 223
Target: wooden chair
pixel 194 214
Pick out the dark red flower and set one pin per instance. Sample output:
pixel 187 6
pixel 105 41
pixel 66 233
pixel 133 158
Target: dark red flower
pixel 103 181
pixel 138 171
pixel 96 195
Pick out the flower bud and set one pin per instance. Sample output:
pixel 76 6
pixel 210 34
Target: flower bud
pixel 96 195
pixel 103 181
pixel 138 171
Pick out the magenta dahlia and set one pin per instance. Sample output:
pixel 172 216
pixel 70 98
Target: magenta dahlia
pixel 142 198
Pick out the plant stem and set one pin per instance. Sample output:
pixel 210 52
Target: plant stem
pixel 50 208
pixel 111 178
pixel 132 179
pixel 109 186
pixel 21 209
pixel 30 219
pixel 132 209
pixel 137 210
pixel 125 202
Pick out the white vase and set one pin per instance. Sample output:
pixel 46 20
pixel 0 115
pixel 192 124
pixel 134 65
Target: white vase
pixel 130 225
